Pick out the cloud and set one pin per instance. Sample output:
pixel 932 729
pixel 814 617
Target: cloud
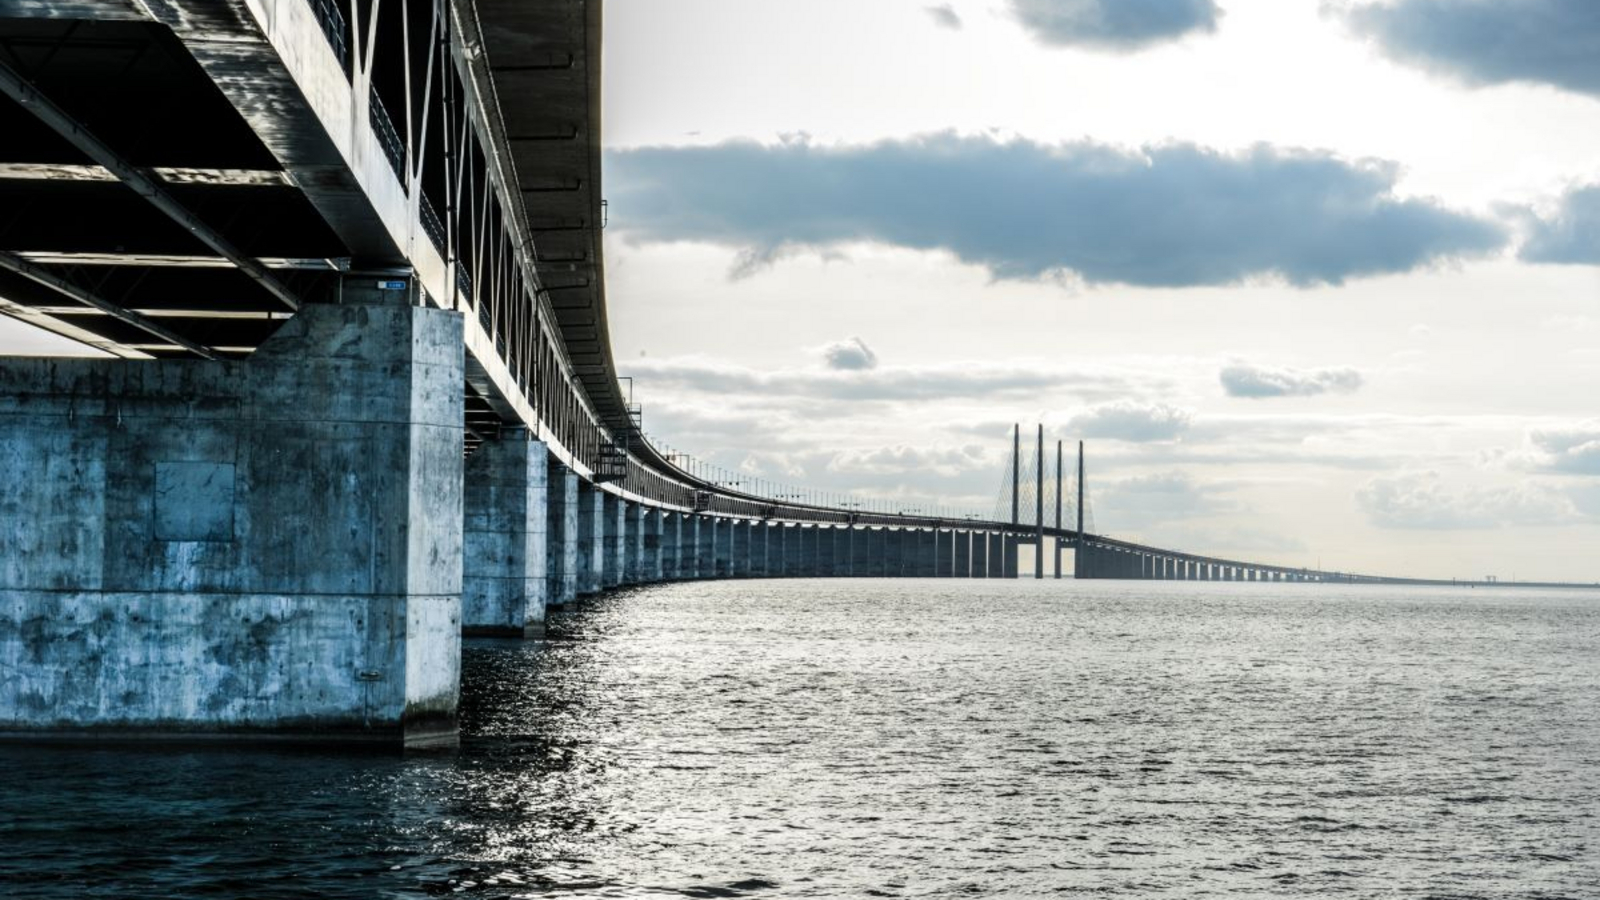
pixel 1126 420
pixel 1424 500
pixel 1172 215
pixel 852 354
pixel 1572 235
pixel 1121 25
pixel 954 380
pixel 943 16
pixel 1482 42
pixel 1255 382
pixel 898 460
pixel 1573 450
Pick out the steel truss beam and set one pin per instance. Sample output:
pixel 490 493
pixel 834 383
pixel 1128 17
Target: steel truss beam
pixel 144 183
pixel 14 263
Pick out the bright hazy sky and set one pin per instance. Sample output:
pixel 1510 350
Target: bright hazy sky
pixel 1317 281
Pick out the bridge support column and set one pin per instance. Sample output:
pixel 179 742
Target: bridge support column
pixel 591 538
pixel 612 512
pixel 928 556
pixel 869 553
pixel 561 555
pixel 758 549
pixel 672 526
pixel 632 543
pixel 653 562
pixel 706 552
pixel 238 549
pixel 739 556
pixel 827 551
pixel 805 538
pixel 961 554
pixel 689 547
pixel 504 500
pixel 652 527
pixel 722 548
pixel 894 553
pixel 789 543
pixel 1010 558
pixel 944 550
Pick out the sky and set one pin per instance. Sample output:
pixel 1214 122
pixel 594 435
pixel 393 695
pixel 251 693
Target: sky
pixel 1318 283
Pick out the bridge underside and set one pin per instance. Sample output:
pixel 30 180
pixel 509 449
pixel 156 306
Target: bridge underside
pixel 71 230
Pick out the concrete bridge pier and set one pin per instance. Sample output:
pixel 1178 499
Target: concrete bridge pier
pixel 562 533
pixel 688 546
pixel 505 499
pixel 928 553
pixel 784 542
pixel 671 546
pixel 706 549
pixel 961 553
pixel 612 512
pixel 944 549
pixel 885 555
pixel 869 553
pixel 809 536
pixel 739 556
pixel 827 551
pixel 258 549
pixel 654 558
pixel 722 547
pixel 591 538
pixel 632 543
pixel 759 531
pixel 789 540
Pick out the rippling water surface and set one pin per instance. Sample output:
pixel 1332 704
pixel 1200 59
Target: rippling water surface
pixel 908 739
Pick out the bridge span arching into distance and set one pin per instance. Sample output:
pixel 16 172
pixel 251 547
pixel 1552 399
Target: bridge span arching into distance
pixel 329 245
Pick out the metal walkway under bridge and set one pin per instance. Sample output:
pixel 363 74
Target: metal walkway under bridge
pixel 345 259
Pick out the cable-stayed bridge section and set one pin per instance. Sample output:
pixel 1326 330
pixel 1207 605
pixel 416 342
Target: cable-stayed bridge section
pixel 344 259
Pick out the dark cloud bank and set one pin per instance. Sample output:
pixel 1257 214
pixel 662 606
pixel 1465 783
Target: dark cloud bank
pixel 1114 24
pixel 1482 42
pixel 1171 216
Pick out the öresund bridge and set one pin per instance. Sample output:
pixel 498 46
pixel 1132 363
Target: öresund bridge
pixel 330 245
